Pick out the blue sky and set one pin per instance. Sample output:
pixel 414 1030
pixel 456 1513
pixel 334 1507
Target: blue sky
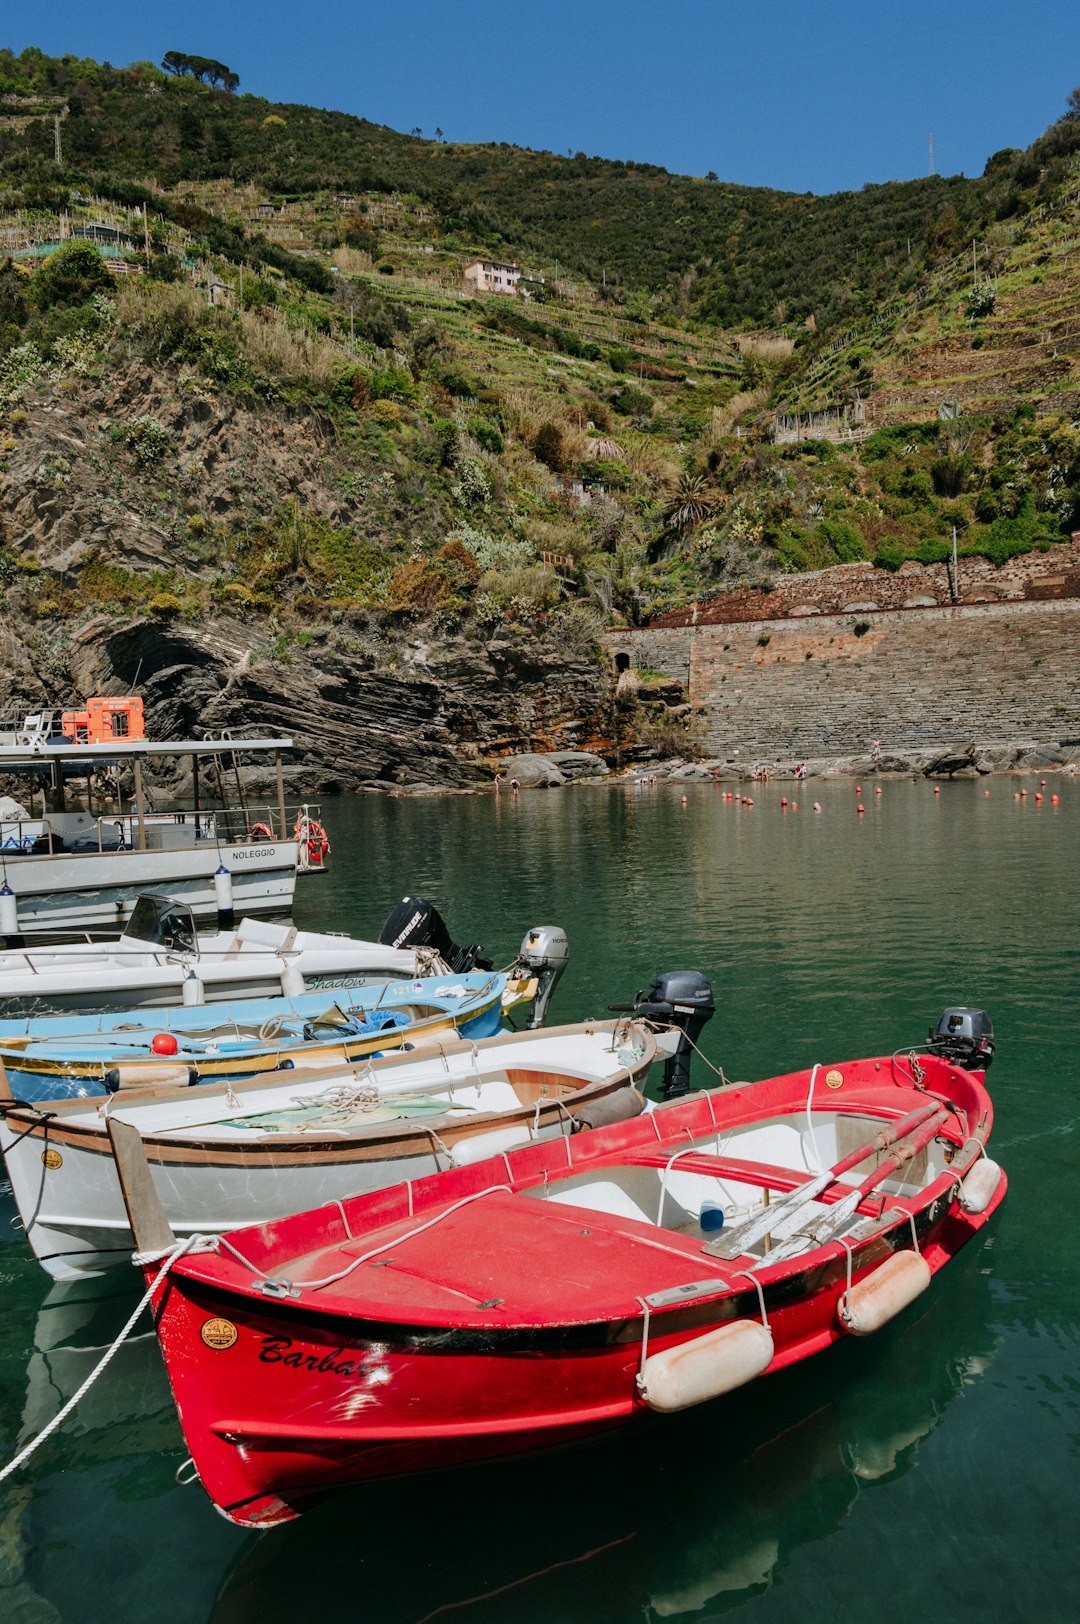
pixel 803 95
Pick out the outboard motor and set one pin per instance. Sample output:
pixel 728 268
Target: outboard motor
pixel 416 922
pixel 966 1037
pixel 682 999
pixel 544 954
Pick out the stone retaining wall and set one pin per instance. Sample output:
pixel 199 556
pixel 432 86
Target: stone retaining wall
pixel 811 687
pixel 1054 573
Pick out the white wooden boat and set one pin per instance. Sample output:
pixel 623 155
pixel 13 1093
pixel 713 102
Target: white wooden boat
pixel 222 1156
pixel 161 959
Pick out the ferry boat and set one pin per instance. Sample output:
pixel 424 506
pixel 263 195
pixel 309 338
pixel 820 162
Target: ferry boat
pixel 77 864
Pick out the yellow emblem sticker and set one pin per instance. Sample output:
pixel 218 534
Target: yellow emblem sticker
pixel 834 1079
pixel 51 1159
pixel 219 1334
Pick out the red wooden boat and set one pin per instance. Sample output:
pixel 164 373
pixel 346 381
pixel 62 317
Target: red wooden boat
pixel 570 1286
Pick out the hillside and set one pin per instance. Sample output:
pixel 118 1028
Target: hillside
pixel 282 416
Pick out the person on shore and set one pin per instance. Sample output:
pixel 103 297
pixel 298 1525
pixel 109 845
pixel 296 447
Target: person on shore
pixel 875 750
pixel 498 783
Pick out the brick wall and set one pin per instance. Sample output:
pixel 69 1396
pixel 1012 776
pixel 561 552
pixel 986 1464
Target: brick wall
pixel 810 687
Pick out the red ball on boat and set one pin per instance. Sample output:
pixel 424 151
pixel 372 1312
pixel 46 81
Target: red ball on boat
pixel 163 1043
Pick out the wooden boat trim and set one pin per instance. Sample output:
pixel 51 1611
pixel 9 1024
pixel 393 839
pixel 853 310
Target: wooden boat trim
pixel 381 1141
pixel 345 1050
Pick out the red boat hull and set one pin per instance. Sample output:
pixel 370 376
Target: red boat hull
pixel 282 1405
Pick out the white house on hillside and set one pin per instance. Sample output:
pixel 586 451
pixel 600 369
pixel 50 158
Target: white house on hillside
pixel 489 276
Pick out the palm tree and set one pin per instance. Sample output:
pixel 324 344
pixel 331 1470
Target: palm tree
pixel 691 503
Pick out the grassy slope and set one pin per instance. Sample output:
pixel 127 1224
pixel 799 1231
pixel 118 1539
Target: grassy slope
pixel 478 420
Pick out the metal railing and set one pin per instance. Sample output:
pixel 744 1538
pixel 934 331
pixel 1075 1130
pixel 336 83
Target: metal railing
pixel 119 831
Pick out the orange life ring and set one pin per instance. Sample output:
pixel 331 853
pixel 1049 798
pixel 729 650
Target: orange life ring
pixel 260 831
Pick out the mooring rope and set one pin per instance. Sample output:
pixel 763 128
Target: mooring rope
pixel 192 1243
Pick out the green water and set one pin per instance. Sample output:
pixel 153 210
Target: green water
pixel 930 1470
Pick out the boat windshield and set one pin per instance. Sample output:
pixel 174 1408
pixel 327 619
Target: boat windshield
pixel 164 922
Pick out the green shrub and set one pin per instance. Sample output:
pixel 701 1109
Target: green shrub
pixel 70 276
pixel 889 556
pixel 844 540
pixel 392 383
pixel 148 439
pixel 486 434
pixel 166 605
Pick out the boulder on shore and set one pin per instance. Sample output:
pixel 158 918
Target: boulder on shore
pixel 531 771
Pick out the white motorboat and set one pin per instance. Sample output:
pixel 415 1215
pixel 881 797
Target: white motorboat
pixel 225 1155
pixel 161 959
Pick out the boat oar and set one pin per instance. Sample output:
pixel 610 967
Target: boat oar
pixel 776 1219
pixel 838 1216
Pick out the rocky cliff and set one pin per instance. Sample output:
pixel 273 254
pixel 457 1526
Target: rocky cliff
pixel 434 715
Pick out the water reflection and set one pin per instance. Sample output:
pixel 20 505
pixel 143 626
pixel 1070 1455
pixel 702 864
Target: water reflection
pixel 689 1517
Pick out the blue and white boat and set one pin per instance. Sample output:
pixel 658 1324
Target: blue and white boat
pixel 78 1056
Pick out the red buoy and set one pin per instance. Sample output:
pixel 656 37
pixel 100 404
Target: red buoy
pixel 1038 797
pixel 1053 800
pixel 860 809
pixel 164 1043
pixel 937 789
pixel 783 800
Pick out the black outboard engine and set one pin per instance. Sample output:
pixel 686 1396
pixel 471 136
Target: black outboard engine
pixel 682 999
pixel 416 922
pixel 966 1037
pixel 544 954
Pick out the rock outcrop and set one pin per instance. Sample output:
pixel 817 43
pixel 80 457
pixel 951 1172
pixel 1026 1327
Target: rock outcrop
pixel 421 716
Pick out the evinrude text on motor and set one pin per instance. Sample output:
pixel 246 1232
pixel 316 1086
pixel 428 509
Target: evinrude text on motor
pixel 416 922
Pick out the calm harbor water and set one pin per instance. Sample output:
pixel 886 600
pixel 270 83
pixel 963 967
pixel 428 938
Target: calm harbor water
pixel 930 1469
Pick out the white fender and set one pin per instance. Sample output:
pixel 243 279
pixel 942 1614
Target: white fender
pixel 872 1302
pixel 478 1146
pixel 292 981
pixel 980 1185
pixel 708 1366
pixel 193 990
pixel 145 1074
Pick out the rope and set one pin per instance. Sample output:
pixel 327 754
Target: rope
pixel 645 1317
pixel 41 1116
pixel 746 1275
pixel 170 1257
pixel 809 1120
pixel 387 1246
pixel 716 1070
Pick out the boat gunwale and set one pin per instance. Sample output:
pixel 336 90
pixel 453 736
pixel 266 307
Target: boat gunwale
pixel 43 1119
pixel 424 1195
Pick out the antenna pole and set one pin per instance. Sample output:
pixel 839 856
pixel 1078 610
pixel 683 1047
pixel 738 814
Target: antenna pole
pixel 930 138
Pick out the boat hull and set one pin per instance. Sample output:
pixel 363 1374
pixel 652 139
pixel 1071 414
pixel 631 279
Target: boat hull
pixel 558 1290
pixel 69 893
pixel 37 1081
pixel 288 1408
